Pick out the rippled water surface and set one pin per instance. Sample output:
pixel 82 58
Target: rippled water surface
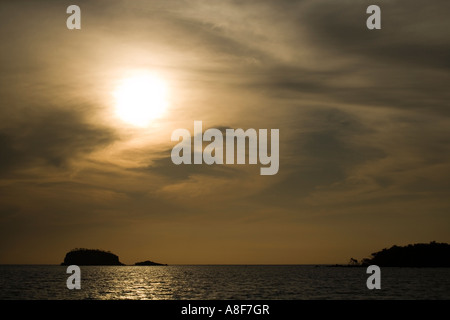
pixel 222 283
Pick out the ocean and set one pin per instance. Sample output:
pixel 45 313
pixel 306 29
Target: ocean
pixel 222 282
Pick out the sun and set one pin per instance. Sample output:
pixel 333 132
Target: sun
pixel 141 99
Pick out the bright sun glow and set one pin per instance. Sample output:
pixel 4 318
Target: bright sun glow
pixel 141 99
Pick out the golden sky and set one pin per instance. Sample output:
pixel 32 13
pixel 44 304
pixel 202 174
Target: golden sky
pixel 363 115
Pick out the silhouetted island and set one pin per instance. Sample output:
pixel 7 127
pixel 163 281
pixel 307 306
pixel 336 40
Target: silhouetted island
pixel 95 257
pixel 431 254
pixel 149 263
pixel 91 257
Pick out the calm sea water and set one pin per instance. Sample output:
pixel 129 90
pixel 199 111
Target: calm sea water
pixel 221 283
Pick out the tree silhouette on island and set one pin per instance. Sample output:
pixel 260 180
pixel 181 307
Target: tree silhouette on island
pixel 431 254
pixel 96 257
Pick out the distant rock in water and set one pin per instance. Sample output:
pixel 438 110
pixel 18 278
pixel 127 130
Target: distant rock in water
pixel 414 255
pixel 149 263
pixel 91 257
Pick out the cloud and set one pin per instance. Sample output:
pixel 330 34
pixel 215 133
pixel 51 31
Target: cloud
pixel 363 118
pixel 411 34
pixel 49 137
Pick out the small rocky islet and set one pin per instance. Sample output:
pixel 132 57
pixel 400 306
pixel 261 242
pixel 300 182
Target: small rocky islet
pixel 96 257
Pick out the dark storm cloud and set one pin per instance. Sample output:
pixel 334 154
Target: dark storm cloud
pixel 412 34
pixel 406 62
pixel 322 154
pixel 413 89
pixel 403 65
pixel 8 154
pixel 49 137
pixel 163 165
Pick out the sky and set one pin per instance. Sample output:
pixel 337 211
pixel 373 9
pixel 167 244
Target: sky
pixel 363 118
